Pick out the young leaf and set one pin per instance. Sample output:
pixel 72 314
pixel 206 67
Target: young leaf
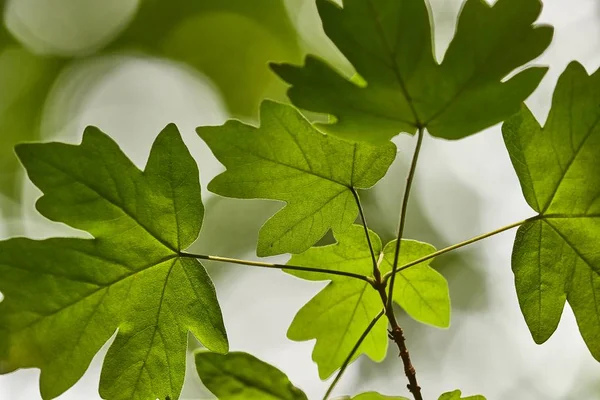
pixel 241 376
pixel 555 257
pixel 457 395
pixel 372 396
pixel 64 298
pixel 390 45
pixel 338 315
pixel 287 159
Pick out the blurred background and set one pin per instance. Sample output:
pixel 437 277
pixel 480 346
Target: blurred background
pixel 132 66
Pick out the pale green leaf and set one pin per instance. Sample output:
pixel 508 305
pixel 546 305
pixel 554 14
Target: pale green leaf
pixel 457 395
pixel 338 315
pixel 389 42
pixel 420 290
pixel 241 376
pixel 377 396
pixel 287 159
pixel 65 297
pixel 556 257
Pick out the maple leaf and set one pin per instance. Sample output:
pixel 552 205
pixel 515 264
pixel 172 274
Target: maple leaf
pixel 338 315
pixel 457 395
pixel 65 297
pixel 400 87
pixel 287 159
pixel 555 256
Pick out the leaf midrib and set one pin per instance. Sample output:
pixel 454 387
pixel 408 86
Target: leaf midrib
pixel 100 288
pixel 251 152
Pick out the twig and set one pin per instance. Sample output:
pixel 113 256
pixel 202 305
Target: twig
pixel 349 358
pixel 276 266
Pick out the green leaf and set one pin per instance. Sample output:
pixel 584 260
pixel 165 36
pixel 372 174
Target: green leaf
pixel 457 395
pixel 555 257
pixel 65 297
pixel 241 376
pixel 420 290
pixel 390 45
pixel 371 396
pixel 287 159
pixel 338 315
pixel 376 396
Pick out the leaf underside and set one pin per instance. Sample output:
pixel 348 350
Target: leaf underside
pixel 287 159
pixel 338 315
pixel 389 43
pixel 65 297
pixel 555 256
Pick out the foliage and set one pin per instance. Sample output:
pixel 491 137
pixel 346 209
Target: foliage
pixel 556 256
pixel 131 277
pixel 66 297
pixel 401 87
pixel 339 314
pixel 193 33
pixel 287 159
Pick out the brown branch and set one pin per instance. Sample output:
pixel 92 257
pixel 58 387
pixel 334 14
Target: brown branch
pixel 397 335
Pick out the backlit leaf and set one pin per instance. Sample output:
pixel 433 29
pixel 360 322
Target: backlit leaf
pixel 457 395
pixel 338 315
pixel 287 159
pixel 65 297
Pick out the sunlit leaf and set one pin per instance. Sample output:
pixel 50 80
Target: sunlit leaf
pixel 287 159
pixel 65 297
pixel 338 315
pixel 457 395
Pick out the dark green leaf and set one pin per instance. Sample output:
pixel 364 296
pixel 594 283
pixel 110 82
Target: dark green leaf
pixel 403 87
pixel 556 257
pixel 64 298
pixel 338 315
pixel 287 159
pixel 241 376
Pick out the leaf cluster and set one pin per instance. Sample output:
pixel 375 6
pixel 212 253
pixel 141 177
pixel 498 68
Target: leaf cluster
pixel 133 278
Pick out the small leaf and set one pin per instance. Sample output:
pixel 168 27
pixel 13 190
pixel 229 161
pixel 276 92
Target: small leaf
pixel 287 159
pixel 338 315
pixel 457 395
pixel 64 298
pixel 420 290
pixel 389 43
pixel 555 257
pixel 241 376
pixel 376 396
